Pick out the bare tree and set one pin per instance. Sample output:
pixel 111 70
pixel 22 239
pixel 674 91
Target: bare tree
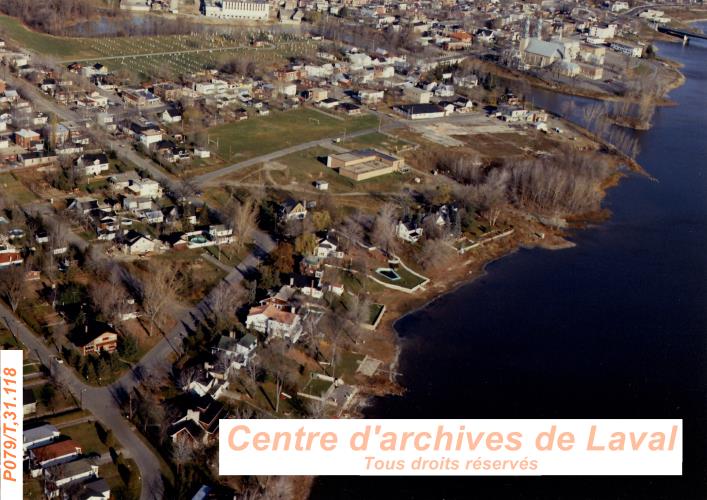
pixel 159 289
pixel 110 298
pixel 384 229
pixel 12 284
pixel 223 300
pixel 244 221
pixel 182 452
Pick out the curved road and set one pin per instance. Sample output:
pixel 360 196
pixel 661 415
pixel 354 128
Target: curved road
pixel 102 402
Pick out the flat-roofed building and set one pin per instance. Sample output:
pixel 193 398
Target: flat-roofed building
pixel 229 9
pixel 363 164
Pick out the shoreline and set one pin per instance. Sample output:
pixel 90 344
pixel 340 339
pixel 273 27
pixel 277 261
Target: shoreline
pixel 405 308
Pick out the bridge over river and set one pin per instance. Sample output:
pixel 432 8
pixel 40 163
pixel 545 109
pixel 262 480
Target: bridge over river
pixel 681 33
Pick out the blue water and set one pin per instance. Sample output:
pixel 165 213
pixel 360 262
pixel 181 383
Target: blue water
pixel 613 328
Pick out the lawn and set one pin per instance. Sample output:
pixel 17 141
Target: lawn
pixel 374 311
pixel 407 279
pixel 347 366
pixel 110 473
pixel 43 43
pixel 86 435
pixel 258 136
pixel 6 339
pixel 14 189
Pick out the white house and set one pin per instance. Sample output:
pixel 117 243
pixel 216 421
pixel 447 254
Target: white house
pixel 409 232
pixel 138 244
pixel 275 317
pixel 39 436
pixel 93 164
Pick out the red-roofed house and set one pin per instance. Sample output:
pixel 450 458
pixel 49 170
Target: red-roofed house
pixel 53 454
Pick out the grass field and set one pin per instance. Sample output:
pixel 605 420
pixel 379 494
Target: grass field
pixel 15 190
pixel 43 43
pixel 258 136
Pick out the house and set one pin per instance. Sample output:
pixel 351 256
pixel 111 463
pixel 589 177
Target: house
pixel 107 341
pixel 349 109
pixel 29 403
pixel 137 203
pixel 145 188
pixel 98 489
pixel 36 159
pixel 366 96
pixel 140 98
pixel 408 231
pixel 55 453
pixel 315 95
pixel 138 244
pixel 417 95
pixel 221 234
pixel 27 138
pixel 419 111
pixel 62 475
pixel 321 185
pixel 93 164
pixel 84 205
pixel 235 353
pixel 293 210
pixel 171 116
pixel 328 103
pixel 9 256
pixel 327 248
pixel 121 181
pixel 150 136
pixel 365 164
pixel 276 317
pixel 200 424
pixel 39 436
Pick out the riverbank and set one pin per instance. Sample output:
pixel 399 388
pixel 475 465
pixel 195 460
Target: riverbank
pixel 526 236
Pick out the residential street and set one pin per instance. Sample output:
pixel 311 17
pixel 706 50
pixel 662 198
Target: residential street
pixel 97 400
pixel 100 400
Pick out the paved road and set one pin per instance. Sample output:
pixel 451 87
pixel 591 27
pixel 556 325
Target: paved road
pixel 123 151
pixel 100 402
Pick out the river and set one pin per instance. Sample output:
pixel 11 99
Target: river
pixel 615 327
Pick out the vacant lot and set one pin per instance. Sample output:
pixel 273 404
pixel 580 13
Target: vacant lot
pixel 258 136
pixel 15 190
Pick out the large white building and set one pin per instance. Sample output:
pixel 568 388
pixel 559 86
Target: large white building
pixel 230 9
